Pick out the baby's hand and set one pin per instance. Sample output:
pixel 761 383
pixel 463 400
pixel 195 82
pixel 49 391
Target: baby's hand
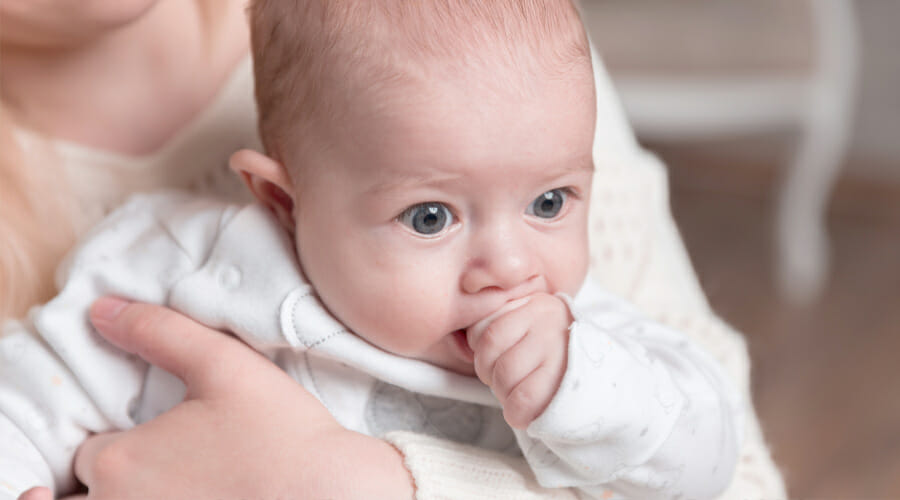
pixel 520 353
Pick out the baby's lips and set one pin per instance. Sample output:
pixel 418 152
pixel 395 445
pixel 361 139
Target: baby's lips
pixel 462 341
pixel 474 332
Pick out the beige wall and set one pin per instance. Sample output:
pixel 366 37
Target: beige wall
pixel 736 37
pixel 876 140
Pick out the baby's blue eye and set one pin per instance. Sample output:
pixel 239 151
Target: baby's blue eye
pixel 427 219
pixel 548 205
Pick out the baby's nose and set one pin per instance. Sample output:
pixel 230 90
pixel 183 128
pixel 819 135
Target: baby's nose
pixel 503 265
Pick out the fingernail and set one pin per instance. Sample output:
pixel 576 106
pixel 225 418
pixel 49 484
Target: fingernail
pixel 106 309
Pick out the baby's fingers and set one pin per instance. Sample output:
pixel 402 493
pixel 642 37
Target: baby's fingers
pixel 515 364
pixel 495 340
pixel 528 399
pixel 476 331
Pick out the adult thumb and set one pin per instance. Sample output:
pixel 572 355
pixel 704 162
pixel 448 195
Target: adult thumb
pixel 162 337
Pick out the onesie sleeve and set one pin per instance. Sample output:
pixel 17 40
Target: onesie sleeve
pixel 641 412
pixel 59 380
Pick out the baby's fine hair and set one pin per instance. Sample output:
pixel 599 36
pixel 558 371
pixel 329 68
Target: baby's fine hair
pixel 312 56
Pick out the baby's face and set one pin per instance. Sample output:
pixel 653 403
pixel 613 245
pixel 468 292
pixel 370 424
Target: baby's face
pixel 446 201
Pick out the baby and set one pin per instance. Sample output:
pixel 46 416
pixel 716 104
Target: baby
pixel 417 260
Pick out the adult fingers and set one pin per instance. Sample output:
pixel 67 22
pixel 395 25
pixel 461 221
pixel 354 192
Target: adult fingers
pixel 87 454
pixel 43 493
pixel 193 352
pixel 37 493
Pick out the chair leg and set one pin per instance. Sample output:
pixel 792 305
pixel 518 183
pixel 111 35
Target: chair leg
pixel 802 240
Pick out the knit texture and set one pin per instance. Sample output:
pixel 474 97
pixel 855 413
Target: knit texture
pixel 445 470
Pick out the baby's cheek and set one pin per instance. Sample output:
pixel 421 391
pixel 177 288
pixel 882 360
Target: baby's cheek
pixel 412 330
pixel 407 300
pixel 572 273
pixel 403 323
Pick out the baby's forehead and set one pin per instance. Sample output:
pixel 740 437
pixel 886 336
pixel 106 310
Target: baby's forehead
pixel 454 130
pixel 451 30
pixel 475 52
pixel 469 35
pixel 315 59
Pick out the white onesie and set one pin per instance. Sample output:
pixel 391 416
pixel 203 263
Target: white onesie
pixel 641 412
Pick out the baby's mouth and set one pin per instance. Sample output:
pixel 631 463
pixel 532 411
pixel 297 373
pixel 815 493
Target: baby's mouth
pixel 462 342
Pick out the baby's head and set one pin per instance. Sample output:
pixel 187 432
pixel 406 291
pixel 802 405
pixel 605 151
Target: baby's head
pixel 432 157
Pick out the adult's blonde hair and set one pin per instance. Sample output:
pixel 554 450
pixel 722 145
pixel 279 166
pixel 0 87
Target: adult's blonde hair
pixel 311 56
pixel 36 225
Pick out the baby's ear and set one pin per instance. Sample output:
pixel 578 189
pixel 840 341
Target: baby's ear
pixel 269 182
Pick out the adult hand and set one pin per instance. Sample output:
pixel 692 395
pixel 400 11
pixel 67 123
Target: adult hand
pixel 43 493
pixel 245 429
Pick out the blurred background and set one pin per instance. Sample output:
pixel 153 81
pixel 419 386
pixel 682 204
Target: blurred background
pixel 780 123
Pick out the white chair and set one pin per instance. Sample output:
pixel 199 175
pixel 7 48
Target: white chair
pixel 670 103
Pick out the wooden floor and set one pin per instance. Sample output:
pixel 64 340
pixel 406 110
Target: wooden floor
pixel 826 377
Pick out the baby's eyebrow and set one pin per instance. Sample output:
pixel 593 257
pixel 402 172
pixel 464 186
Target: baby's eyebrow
pixel 585 163
pixel 406 180
pixel 582 165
